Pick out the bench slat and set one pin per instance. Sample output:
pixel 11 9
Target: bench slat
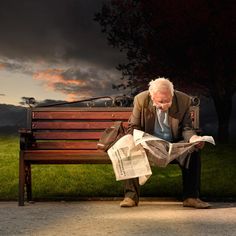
pixel 82 159
pixel 78 156
pixel 72 125
pixel 81 115
pixel 67 135
pixel 66 145
pixel 92 160
pixel 75 152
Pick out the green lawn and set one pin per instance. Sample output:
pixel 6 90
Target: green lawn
pixel 74 181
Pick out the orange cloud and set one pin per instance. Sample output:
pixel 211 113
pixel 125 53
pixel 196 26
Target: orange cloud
pixel 78 96
pixel 2 66
pixel 52 77
pixel 76 83
pixel 49 75
pixel 71 97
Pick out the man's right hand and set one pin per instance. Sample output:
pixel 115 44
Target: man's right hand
pixel 199 145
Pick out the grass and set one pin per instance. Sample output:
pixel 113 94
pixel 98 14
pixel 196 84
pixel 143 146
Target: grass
pixel 74 181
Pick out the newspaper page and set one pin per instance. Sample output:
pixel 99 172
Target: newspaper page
pixel 162 152
pixel 129 160
pixel 129 154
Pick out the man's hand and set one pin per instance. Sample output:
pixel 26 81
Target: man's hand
pixel 199 145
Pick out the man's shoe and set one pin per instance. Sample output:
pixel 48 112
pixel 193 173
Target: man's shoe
pixel 128 202
pixel 195 203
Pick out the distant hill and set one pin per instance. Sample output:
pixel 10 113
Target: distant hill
pixel 11 118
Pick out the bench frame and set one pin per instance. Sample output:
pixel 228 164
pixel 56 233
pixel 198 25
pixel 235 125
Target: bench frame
pixel 64 135
pixel 67 135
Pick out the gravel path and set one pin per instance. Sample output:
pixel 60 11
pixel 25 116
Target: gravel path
pixel 107 218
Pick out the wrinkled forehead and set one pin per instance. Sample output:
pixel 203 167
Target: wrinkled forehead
pixel 164 95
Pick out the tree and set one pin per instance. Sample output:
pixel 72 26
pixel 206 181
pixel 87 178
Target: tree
pixel 30 101
pixel 191 42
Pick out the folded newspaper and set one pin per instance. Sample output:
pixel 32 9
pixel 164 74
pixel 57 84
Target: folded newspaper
pixel 129 154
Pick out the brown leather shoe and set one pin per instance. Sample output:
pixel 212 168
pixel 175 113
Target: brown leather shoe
pixel 128 202
pixel 195 203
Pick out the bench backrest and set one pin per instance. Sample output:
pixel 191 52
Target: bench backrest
pixel 78 128
pixel 72 127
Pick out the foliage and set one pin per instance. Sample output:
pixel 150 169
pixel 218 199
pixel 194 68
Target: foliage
pixel 30 101
pixel 191 42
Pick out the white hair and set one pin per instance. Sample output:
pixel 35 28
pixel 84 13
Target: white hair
pixel 160 85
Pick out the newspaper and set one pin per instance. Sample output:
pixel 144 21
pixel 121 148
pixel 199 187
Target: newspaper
pixel 162 152
pixel 129 154
pixel 129 160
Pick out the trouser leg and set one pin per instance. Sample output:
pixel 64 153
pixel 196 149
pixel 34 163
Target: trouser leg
pixel 191 180
pixel 132 189
pixel 191 176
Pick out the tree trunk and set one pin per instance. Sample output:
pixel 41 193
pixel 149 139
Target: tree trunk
pixel 223 105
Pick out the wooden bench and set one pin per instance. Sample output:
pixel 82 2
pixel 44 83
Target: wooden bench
pixel 64 135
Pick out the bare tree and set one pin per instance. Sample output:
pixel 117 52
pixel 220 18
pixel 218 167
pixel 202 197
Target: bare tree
pixel 30 101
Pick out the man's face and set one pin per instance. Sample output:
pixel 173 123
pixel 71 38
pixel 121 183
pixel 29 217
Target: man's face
pixel 162 100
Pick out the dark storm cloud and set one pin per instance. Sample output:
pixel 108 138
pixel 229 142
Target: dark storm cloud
pixel 78 82
pixel 91 81
pixel 54 30
pixel 15 66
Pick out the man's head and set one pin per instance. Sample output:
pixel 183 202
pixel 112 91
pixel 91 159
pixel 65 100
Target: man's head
pixel 161 91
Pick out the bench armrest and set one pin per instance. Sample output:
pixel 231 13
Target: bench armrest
pixel 26 138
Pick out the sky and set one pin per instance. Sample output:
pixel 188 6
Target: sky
pixel 53 49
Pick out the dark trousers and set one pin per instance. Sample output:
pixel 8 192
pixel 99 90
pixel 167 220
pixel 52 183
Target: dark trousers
pixel 190 176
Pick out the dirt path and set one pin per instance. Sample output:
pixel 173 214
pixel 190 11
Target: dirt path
pixel 107 218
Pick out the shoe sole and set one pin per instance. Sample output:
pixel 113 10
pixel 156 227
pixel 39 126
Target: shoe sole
pixel 206 207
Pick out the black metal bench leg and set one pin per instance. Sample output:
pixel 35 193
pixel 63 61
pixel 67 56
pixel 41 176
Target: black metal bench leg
pixel 21 180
